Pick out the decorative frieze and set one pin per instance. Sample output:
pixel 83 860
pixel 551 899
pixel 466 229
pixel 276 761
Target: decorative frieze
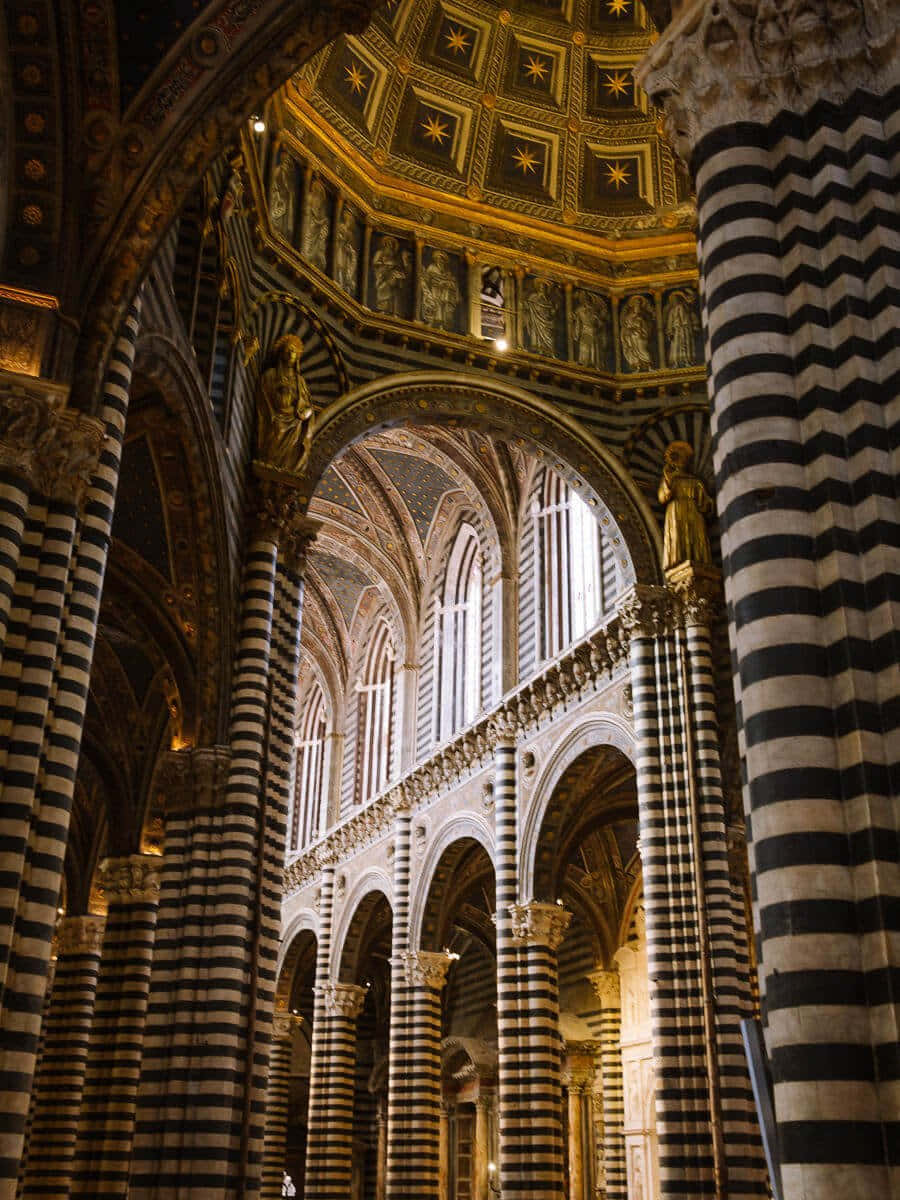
pixel 80 935
pixel 133 879
pixel 539 924
pixel 747 61
pixel 343 999
pixel 427 968
pixel 192 779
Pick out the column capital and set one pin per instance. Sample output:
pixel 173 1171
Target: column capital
pixel 605 982
pixel 427 968
pixel 647 611
pixel 539 924
pixel 279 516
pixel 699 591
pixel 343 999
pixel 503 729
pixel 132 879
pixel 193 779
pixel 80 935
pixel 744 61
pixel 284 1024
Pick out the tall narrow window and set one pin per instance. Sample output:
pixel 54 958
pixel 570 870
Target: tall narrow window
pixel 458 638
pixel 308 818
pixel 570 575
pixel 375 738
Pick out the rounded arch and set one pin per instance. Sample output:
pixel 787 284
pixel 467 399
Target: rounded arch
pixel 595 730
pixel 367 888
pixel 304 926
pixel 435 397
pixel 460 827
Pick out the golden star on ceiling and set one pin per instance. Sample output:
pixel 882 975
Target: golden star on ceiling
pixel 617 8
pixel 618 174
pixel 525 159
pixel 355 79
pixel 536 68
pixel 435 130
pixel 616 83
pixel 457 40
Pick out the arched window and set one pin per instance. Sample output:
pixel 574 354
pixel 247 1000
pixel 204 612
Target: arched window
pixel 308 818
pixel 570 577
pixel 375 728
pixel 457 640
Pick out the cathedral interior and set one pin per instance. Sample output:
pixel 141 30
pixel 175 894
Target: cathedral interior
pixel 449 594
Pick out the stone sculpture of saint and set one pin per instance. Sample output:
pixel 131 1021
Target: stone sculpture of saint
pixel 392 273
pixel 688 503
pixel 590 329
pixel 281 197
pixel 539 313
pixel 346 256
pixel 315 245
pixel 284 414
pixel 440 292
pixel 681 325
pixel 636 324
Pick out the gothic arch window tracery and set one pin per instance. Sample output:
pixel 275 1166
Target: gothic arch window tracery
pixel 309 816
pixel 458 637
pixel 375 736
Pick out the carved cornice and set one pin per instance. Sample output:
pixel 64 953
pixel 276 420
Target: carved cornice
pixel 343 999
pixel 55 450
pixel 193 779
pixel 284 1024
pixel 605 983
pixel 279 517
pixel 80 935
pixel 750 60
pixel 699 591
pixel 538 924
pixel 426 968
pixel 646 611
pixel 130 880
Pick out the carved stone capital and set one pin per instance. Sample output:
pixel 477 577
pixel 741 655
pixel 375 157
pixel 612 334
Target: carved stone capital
pixel 699 592
pixel 646 611
pixel 750 60
pixel 427 968
pixel 193 779
pixel 343 1000
pixel 605 983
pixel 80 935
pixel 538 924
pixel 503 728
pixel 279 516
pixel 130 880
pixel 284 1024
pixel 55 450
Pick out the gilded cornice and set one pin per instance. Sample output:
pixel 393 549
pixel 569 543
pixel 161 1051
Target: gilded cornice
pixel 738 61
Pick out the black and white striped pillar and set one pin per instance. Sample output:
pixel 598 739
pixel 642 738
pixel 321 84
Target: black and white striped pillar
pixel 402 1023
pixel 789 121
pixel 284 1026
pixel 606 984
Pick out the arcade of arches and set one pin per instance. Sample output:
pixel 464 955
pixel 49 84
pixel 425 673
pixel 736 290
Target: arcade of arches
pixel 448 600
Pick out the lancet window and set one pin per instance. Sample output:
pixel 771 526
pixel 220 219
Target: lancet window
pixel 457 639
pixel 309 816
pixel 375 722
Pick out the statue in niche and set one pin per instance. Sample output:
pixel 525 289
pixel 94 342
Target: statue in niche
pixel 281 197
pixel 346 256
pixel 392 275
pixel 315 246
pixel 590 327
pixel 636 324
pixel 539 313
pixel 284 413
pixel 681 324
pixel 687 502
pixel 440 292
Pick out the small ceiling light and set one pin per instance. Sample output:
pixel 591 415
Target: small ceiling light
pixel 60 911
pixel 501 344
pixel 259 125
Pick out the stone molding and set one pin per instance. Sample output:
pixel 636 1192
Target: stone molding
pixel 699 592
pixel 605 982
pixel 279 516
pixel 343 999
pixel 54 450
pixel 284 1024
pixel 539 924
pixel 647 611
pixel 193 779
pixel 80 935
pixel 134 879
pixel 751 60
pixel 427 968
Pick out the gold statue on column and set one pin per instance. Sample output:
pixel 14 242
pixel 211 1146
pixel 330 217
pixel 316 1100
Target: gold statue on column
pixel 284 413
pixel 687 502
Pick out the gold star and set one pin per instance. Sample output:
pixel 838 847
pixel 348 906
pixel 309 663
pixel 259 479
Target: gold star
pixel 536 68
pixel 616 83
pixel 618 174
pixel 356 79
pixel 435 130
pixel 457 41
pixel 525 159
pixel 617 8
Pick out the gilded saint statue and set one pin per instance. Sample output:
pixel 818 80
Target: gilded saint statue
pixel 687 504
pixel 284 414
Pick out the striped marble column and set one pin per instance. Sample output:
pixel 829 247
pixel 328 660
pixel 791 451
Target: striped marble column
pixel 606 985
pixel 329 1174
pixel 106 1124
pixel 23 1162
pixel 535 1142
pixel 317 1109
pixel 58 475
pixel 790 124
pixel 417 1094
pixel 402 1023
pixel 277 1103
pixel 59 1086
